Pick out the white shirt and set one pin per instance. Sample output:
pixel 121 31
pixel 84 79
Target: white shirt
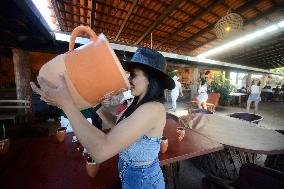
pixel 202 89
pixel 254 89
pixel 175 91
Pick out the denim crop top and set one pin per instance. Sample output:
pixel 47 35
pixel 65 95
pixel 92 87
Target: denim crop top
pixel 145 149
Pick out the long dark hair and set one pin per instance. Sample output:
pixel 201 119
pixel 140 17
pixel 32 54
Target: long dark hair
pixel 154 93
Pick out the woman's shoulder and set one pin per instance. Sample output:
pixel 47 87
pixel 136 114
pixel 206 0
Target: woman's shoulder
pixel 153 107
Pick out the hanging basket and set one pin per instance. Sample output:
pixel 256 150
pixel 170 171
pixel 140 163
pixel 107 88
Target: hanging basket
pixel 228 25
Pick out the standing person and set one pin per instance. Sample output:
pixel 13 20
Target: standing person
pixel 175 93
pixel 254 95
pixel 202 95
pixel 137 134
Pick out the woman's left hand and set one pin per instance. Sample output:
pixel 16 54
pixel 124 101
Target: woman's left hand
pixel 56 96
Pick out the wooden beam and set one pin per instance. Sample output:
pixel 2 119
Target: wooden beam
pixel 57 13
pixel 93 15
pixel 98 20
pixel 210 12
pixel 134 2
pixel 32 15
pixel 158 21
pixel 179 10
pixel 270 11
pixel 98 12
pixel 189 21
pixel 75 24
pixel 86 8
pixel 201 32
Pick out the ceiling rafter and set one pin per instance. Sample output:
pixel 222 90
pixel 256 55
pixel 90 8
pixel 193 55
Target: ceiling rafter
pixel 201 32
pixel 158 21
pixel 270 11
pixel 57 14
pixel 189 21
pixel 134 3
pixel 93 14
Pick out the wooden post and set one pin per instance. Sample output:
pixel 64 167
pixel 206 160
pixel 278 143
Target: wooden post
pixel 195 83
pixel 264 80
pixel 227 74
pixel 23 77
pixel 249 80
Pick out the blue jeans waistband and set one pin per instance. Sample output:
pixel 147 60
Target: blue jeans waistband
pixel 143 164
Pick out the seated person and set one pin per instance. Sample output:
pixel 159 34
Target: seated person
pixel 277 89
pixel 282 88
pixel 243 90
pixel 267 93
pixel 89 114
pixel 202 95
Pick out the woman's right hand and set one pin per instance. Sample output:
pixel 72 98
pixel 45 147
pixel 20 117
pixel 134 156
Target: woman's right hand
pixel 54 95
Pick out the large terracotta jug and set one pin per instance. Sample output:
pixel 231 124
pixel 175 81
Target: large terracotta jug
pixel 92 71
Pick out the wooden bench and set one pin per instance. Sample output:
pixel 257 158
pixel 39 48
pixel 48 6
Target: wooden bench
pixel 14 104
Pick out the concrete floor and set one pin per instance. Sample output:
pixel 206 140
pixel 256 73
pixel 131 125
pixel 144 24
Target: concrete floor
pixel 273 118
pixel 272 112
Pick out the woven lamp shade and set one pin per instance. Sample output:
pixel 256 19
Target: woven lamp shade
pixel 228 25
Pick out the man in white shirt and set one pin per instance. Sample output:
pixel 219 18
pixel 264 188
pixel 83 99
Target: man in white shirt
pixel 175 93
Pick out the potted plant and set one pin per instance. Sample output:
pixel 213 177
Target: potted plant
pixel 185 122
pixel 60 134
pixel 4 142
pixel 223 87
pixel 92 167
pixel 164 144
pixel 188 121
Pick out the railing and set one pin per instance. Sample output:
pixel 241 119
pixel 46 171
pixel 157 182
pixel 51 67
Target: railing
pixel 14 104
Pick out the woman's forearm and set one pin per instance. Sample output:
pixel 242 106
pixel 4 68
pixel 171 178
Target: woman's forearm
pixel 89 136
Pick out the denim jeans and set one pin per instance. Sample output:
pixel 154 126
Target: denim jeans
pixel 141 177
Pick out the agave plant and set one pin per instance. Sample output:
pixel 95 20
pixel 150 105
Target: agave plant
pixel 186 121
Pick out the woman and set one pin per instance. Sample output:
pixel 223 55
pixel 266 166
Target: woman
pixel 137 134
pixel 202 95
pixel 254 95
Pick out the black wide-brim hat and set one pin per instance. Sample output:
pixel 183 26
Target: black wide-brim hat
pixel 153 61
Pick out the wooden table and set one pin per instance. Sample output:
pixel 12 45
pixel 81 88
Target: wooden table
pixel 45 163
pixel 16 148
pixel 243 142
pixel 192 145
pixel 240 134
pixel 239 95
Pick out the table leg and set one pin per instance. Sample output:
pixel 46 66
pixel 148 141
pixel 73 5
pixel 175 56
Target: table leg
pixel 170 175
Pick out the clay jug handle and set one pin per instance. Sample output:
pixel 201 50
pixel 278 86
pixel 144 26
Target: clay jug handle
pixel 79 30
